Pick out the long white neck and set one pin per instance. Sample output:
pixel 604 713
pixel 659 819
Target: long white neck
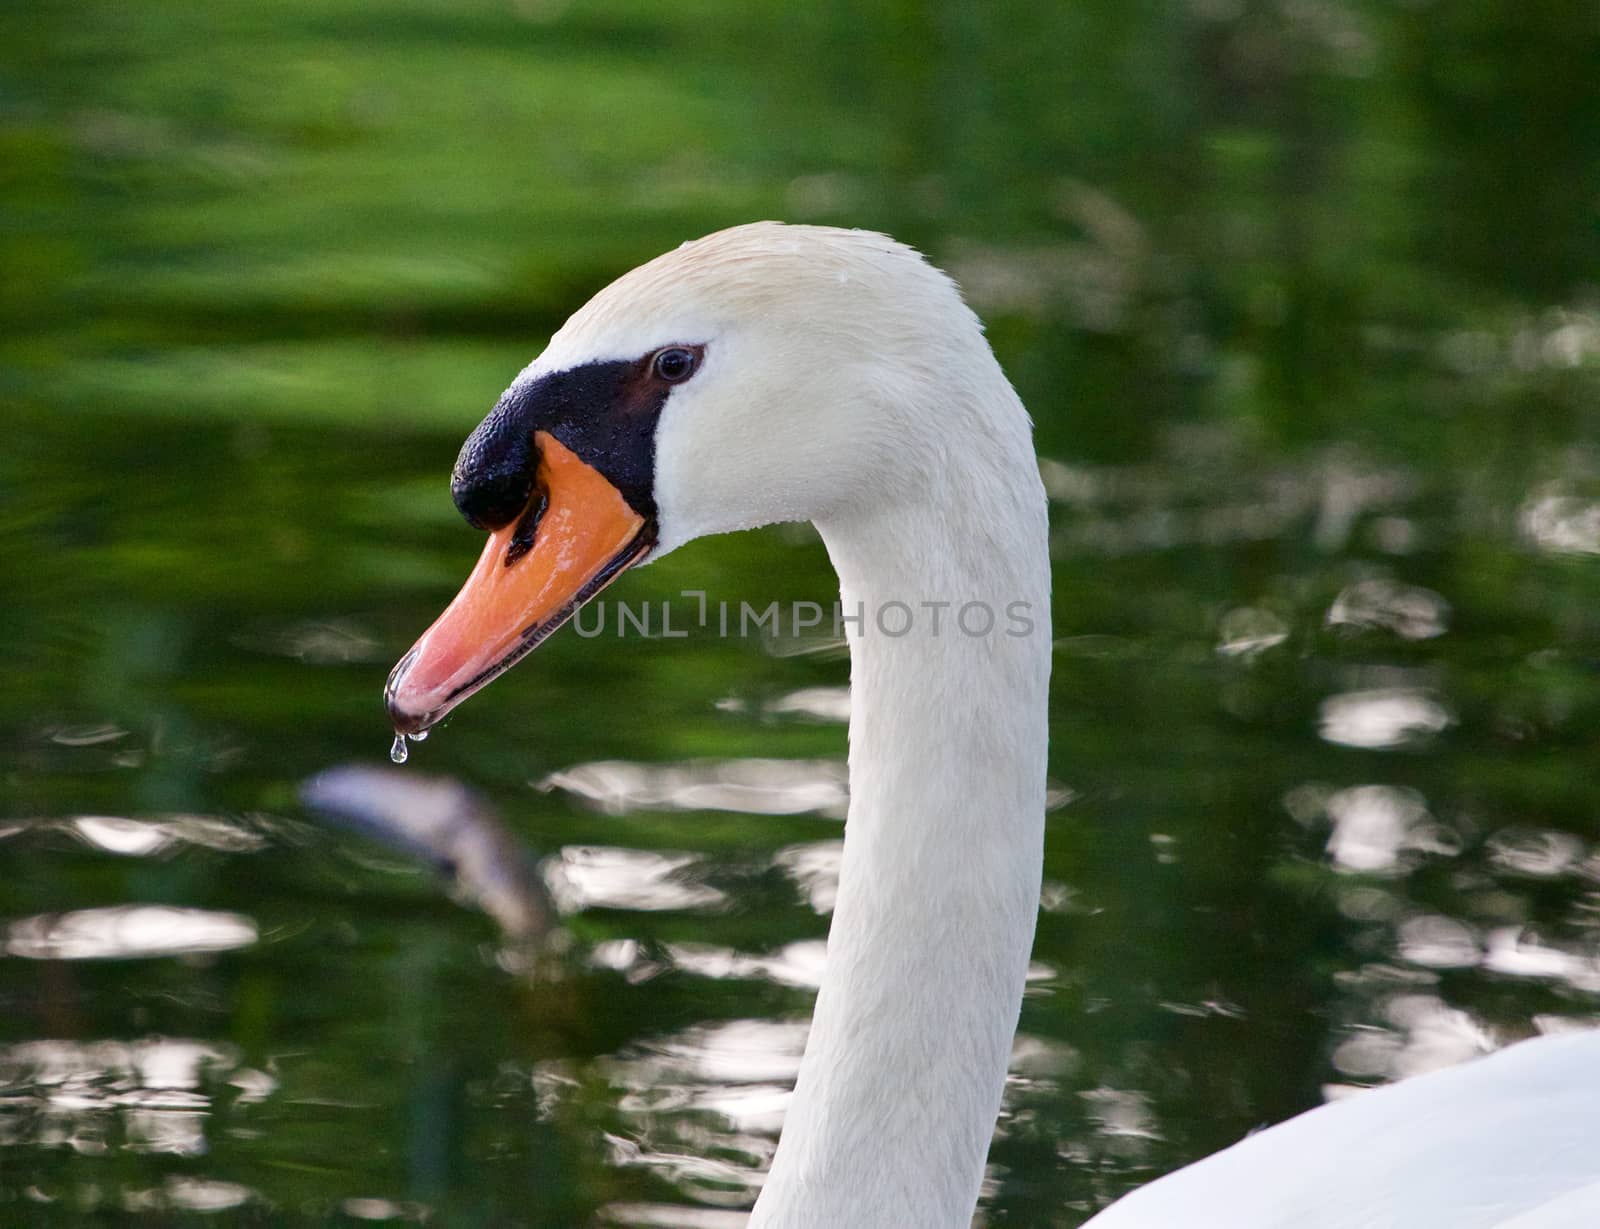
pixel 906 1060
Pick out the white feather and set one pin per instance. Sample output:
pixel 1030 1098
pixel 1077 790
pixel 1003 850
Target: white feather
pixel 1510 1141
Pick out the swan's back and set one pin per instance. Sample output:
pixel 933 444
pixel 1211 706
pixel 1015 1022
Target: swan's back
pixel 1511 1141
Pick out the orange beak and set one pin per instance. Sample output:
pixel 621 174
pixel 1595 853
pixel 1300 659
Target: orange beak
pixel 519 593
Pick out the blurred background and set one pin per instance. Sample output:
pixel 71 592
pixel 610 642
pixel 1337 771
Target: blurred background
pixel 1304 296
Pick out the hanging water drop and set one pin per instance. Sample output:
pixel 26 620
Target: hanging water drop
pixel 421 736
pixel 397 752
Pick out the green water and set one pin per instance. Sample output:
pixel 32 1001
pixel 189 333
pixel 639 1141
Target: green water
pixel 1305 300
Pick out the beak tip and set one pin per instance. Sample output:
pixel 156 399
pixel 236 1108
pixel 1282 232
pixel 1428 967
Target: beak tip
pixel 404 715
pixel 407 723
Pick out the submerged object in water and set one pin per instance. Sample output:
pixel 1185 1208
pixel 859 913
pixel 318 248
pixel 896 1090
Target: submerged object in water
pixel 443 823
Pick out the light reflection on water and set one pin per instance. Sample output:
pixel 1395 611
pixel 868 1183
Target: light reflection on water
pixel 142 837
pixel 127 931
pixel 1423 1034
pixel 406 1212
pixel 1376 826
pixel 760 786
pixel 605 877
pixel 819 703
pixel 1126 511
pixel 1382 717
pixel 1411 612
pixel 709 1091
pixel 825 704
pixel 1509 950
pixel 669 1216
pixel 796 964
pixel 814 868
pixel 152 1096
pixel 1562 523
pixel 186 1194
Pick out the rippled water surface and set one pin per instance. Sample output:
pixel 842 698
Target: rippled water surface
pixel 1317 394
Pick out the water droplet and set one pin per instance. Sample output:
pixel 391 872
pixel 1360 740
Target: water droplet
pixel 397 752
pixel 421 736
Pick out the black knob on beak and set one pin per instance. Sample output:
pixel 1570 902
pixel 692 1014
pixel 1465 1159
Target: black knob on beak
pixel 493 478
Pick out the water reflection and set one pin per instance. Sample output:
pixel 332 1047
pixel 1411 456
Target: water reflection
pixel 1538 853
pixel 448 826
pixel 1124 1119
pixel 317 642
pixel 1423 1034
pixel 1214 497
pixel 765 787
pixel 144 837
pixel 85 735
pixel 386 1210
pixel 814 868
pixel 117 834
pixel 819 703
pixel 1375 826
pixel 608 877
pixel 125 836
pixel 128 932
pixel 670 1216
pixel 1382 717
pixel 1409 611
pixel 1435 941
pixel 181 1193
pixel 1509 950
pixel 795 964
pixel 149 1096
pixel 1562 523
pixel 705 1106
pixel 1246 631
pixel 740 1072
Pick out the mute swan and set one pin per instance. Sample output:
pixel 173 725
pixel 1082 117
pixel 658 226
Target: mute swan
pixel 781 373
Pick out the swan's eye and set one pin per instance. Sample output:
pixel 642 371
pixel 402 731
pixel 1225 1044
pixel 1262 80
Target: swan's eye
pixel 674 364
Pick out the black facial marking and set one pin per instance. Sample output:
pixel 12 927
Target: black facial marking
pixel 606 413
pixel 494 471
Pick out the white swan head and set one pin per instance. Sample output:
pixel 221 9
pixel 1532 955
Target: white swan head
pixel 764 373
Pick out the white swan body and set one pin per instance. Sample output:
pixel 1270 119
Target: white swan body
pixel 773 373
pixel 1511 1141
